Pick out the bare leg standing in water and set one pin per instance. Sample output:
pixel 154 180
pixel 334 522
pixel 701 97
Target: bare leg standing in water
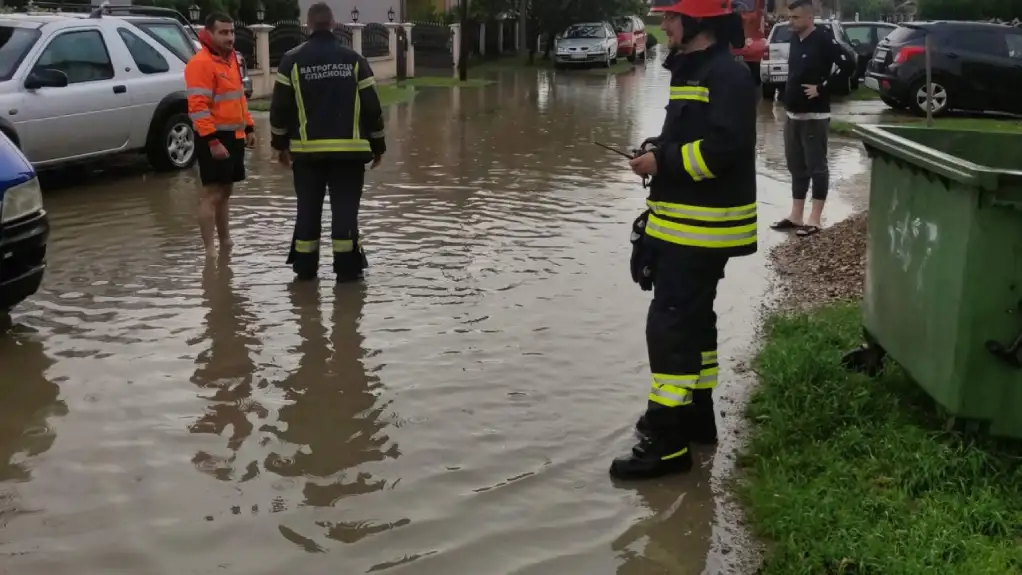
pixel 223 125
pixel 214 218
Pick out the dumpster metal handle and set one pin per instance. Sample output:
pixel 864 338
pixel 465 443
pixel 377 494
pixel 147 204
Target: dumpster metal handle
pixel 1008 353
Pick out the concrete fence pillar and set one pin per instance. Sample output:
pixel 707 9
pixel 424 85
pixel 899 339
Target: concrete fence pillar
pixel 456 46
pixel 262 54
pixel 392 37
pixel 356 36
pixel 410 59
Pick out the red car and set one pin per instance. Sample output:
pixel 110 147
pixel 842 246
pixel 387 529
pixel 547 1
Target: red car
pixel 631 37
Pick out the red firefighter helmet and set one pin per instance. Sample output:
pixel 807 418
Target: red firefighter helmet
pixel 697 8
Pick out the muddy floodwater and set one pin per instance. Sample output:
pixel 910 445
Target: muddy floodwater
pixel 456 413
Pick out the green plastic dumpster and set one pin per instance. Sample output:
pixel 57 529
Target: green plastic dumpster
pixel 943 293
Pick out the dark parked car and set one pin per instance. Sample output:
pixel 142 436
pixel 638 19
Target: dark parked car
pixel 975 66
pixel 864 37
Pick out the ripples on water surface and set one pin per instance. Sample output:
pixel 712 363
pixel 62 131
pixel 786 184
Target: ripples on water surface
pixel 455 414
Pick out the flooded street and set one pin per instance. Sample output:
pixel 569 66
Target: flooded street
pixel 456 413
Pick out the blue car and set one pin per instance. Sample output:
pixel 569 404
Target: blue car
pixel 24 228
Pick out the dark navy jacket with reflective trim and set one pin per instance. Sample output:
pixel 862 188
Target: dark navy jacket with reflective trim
pixel 703 198
pixel 325 102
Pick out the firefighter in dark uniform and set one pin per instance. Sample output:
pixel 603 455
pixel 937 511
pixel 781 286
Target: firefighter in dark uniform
pixel 326 121
pixel 701 212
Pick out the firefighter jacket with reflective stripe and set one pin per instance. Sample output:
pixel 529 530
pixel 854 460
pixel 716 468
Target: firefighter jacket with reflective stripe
pixel 703 197
pixel 325 102
pixel 216 95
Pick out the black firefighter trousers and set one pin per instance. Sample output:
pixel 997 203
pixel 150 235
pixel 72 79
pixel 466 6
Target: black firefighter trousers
pixel 681 338
pixel 344 179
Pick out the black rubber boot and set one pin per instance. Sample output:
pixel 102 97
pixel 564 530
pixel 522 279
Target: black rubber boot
pixel 306 267
pixel 348 266
pixel 663 451
pixel 704 421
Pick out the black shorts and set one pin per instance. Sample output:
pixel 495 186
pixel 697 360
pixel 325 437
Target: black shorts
pixel 212 171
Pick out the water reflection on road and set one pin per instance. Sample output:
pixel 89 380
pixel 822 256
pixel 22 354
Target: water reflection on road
pixel 455 414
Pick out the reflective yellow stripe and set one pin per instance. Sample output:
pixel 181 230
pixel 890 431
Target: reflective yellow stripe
pixel 709 357
pixel 283 80
pixel 355 128
pixel 200 92
pixel 702 213
pixel 367 82
pixel 344 246
pixel 707 378
pixel 675 454
pixel 698 236
pixel 229 127
pixel 306 246
pixel 330 146
pixel 693 93
pixel 302 120
pixel 695 165
pixel 672 390
pixel 200 115
pixel 232 95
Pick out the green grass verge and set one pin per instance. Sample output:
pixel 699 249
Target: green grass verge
pixel 656 32
pixel 982 124
pixel 389 94
pixel 844 474
pixel 445 82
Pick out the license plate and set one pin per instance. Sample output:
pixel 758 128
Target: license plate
pixel 578 56
pixel 872 84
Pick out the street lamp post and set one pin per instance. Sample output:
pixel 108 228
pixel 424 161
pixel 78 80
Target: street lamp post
pixel 260 13
pixel 194 12
pixel 354 15
pixel 390 14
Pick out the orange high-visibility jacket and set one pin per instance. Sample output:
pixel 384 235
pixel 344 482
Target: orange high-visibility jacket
pixel 216 96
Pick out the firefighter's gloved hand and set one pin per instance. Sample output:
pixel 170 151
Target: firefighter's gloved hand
pixel 641 264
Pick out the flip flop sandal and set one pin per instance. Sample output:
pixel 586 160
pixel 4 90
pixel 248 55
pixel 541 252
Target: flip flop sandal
pixel 806 231
pixel 784 224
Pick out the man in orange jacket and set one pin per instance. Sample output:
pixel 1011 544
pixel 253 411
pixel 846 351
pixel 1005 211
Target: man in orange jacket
pixel 219 112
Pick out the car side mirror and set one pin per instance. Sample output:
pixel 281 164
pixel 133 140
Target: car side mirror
pixel 45 78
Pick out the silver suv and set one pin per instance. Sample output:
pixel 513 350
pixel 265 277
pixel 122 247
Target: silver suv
pixel 82 86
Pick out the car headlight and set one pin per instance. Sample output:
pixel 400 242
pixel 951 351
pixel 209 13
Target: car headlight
pixel 21 200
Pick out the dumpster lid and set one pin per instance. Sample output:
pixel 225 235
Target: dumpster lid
pixel 880 137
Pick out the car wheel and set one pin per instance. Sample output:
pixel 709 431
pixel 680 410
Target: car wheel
pixel 768 91
pixel 173 146
pixel 941 98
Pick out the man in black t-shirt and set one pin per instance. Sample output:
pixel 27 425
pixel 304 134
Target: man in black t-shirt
pixel 811 57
